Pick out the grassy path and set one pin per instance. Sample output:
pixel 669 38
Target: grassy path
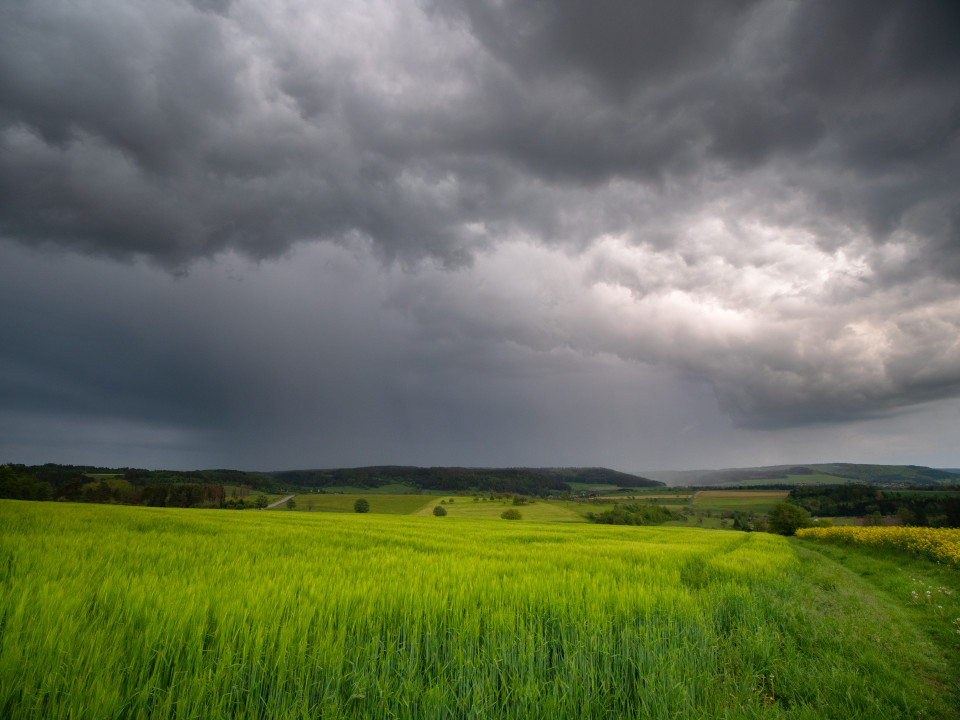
pixel 879 605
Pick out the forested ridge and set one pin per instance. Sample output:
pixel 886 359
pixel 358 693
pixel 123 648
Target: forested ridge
pixel 215 488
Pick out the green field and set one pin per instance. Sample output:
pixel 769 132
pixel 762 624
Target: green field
pixel 539 511
pixel 133 612
pixel 390 489
pixel 379 504
pixel 805 479
pixel 578 487
pixel 755 501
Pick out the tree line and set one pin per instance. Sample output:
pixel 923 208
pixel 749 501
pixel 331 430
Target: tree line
pixel 921 508
pixel 68 483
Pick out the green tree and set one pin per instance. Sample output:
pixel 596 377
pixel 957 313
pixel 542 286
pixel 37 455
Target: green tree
pixel 786 519
pixel 511 515
pixel 439 511
pixel 261 501
pixel 291 504
pixel 361 505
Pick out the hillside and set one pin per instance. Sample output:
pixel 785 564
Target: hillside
pixel 154 487
pixel 535 481
pixel 813 474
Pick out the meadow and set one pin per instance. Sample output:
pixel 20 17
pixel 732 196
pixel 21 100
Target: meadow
pixel 380 504
pixel 539 511
pixel 756 501
pixel 135 612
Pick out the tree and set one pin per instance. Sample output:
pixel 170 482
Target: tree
pixel 511 515
pixel 439 511
pixel 261 501
pixel 291 504
pixel 786 519
pixel 361 505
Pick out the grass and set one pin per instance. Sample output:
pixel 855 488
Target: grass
pixel 379 504
pixel 129 612
pixel 916 605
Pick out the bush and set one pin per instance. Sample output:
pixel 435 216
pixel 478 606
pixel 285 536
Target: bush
pixel 361 505
pixel 291 504
pixel 634 514
pixel 511 515
pixel 261 501
pixel 439 511
pixel 786 519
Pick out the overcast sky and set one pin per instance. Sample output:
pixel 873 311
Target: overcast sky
pixel 270 234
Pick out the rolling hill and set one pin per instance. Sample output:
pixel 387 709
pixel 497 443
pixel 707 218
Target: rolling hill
pixel 813 474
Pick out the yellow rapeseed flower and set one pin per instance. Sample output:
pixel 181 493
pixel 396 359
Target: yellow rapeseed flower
pixel 940 544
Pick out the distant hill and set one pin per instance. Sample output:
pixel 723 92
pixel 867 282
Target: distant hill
pixel 814 474
pixel 536 481
pixel 72 481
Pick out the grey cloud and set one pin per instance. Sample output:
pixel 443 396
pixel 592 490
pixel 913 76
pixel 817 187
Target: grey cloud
pixel 698 135
pixel 175 133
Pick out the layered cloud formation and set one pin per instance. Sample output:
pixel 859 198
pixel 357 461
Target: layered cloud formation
pixel 761 194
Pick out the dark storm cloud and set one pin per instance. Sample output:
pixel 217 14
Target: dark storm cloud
pixel 759 193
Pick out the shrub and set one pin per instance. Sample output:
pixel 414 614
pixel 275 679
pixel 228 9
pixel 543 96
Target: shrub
pixel 291 504
pixel 511 515
pixel 439 511
pixel 786 519
pixel 361 505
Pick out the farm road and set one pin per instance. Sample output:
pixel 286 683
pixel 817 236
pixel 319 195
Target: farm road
pixel 281 500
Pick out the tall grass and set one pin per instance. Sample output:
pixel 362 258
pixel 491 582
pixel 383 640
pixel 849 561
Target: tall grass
pixel 120 612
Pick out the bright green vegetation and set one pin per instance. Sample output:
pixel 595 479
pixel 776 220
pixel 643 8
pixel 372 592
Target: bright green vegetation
pixel 914 605
pixel 379 504
pixel 128 612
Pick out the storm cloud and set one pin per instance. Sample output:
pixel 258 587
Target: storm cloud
pixel 754 197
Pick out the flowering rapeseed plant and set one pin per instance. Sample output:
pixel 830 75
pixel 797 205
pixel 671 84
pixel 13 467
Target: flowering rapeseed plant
pixel 939 544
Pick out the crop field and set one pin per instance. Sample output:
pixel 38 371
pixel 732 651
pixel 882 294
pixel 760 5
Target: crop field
pixel 391 489
pixel 379 504
pixel 758 501
pixel 805 479
pixel 938 544
pixel 540 511
pixel 674 499
pixel 135 612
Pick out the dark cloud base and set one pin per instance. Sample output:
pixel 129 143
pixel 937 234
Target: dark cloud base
pixel 759 194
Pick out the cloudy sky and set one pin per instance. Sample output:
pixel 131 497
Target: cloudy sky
pixel 272 234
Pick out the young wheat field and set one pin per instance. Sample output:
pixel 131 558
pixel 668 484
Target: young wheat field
pixel 127 612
